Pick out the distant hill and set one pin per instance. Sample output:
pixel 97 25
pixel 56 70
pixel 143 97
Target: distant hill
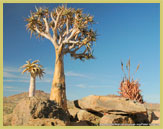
pixel 10 102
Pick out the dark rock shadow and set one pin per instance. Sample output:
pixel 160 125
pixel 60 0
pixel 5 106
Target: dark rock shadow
pixel 82 123
pixel 140 119
pixel 76 103
pixel 95 113
pixel 49 109
pixel 154 117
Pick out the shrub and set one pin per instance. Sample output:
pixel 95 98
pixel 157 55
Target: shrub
pixel 130 88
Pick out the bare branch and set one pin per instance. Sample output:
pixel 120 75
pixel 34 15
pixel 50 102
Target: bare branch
pixel 70 42
pixel 57 20
pixel 77 48
pixel 79 55
pixel 67 26
pixel 72 34
pixel 42 33
pixel 60 35
pixel 52 17
pixel 56 24
pixel 65 33
pixel 74 30
pixel 69 49
pixel 46 36
pixel 46 25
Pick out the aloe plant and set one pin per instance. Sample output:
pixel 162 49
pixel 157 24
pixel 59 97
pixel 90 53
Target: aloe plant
pixel 129 88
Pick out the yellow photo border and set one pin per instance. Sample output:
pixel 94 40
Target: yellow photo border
pixel 80 1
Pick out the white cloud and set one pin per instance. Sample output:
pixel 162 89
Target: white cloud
pixel 9 75
pixel 68 73
pixel 48 71
pixel 14 90
pixel 27 80
pixel 11 69
pixel 12 80
pixel 47 80
pixel 13 74
pixel 92 86
pixel 8 87
pixel 100 86
pixel 81 86
pixel 73 74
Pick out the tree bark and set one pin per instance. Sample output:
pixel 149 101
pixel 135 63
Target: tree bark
pixel 32 87
pixel 58 90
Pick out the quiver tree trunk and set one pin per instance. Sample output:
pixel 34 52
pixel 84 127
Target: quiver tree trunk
pixel 58 90
pixel 32 87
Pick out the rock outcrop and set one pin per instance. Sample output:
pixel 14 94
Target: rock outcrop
pixel 45 122
pixel 110 104
pixel 112 110
pixel 10 102
pixel 32 111
pixel 7 119
pixel 116 120
pixel 90 111
pixel 155 118
pixel 83 115
pixel 73 112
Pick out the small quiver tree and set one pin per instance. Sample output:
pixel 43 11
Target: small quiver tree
pixel 130 88
pixel 70 31
pixel 35 70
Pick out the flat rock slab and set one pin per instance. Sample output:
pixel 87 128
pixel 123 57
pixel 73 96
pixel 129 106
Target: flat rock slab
pixel 110 104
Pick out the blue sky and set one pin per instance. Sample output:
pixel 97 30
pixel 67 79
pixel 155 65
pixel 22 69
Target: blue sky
pixel 125 30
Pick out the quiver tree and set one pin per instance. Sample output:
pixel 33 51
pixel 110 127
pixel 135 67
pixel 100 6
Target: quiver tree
pixel 129 88
pixel 69 30
pixel 35 70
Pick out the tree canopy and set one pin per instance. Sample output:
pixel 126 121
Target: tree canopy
pixel 33 68
pixel 69 30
